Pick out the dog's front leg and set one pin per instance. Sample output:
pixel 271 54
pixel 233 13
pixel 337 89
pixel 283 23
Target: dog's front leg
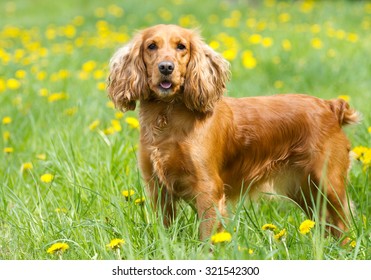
pixel 210 204
pixel 161 200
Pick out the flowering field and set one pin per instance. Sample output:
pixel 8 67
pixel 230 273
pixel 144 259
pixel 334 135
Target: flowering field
pixel 69 183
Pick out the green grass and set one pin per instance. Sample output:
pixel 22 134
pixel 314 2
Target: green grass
pixel 91 169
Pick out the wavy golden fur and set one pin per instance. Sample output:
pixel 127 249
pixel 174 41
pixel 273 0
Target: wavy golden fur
pixel 197 145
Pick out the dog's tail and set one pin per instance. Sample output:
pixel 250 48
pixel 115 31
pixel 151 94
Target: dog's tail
pixel 343 113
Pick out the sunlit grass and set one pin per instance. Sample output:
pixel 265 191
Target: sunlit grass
pixel 68 159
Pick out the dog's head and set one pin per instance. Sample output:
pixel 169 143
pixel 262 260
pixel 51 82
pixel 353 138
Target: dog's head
pixel 167 62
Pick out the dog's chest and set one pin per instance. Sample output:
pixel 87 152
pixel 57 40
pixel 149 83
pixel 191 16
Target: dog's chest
pixel 171 159
pixel 166 136
pixel 173 168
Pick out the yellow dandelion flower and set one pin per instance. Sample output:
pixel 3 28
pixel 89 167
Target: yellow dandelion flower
pixel 165 14
pixel 317 43
pixel 119 115
pixel 110 104
pixel 94 125
pixel 58 248
pixel 13 84
pixel 83 75
pixel 89 66
pixel 115 10
pixel 286 45
pixel 281 235
pixel 315 28
pixel 69 31
pixel 43 92
pixel 251 22
pixel 7 120
pixel 47 178
pixel 20 74
pixel 109 131
pixel 70 111
pixel 307 6
pixel 98 74
pixel 128 193
pixel 140 201
pixel 116 243
pixel 369 129
pixel 56 97
pixel 284 17
pixel 50 33
pixel 278 84
pixel 41 156
pixel 340 34
pixel 249 250
pixel 6 136
pixel 221 237
pixel 230 54
pixel 11 32
pixel 344 97
pixel 231 22
pixel 132 122
pixel 306 226
pixel 261 25
pixel 267 42
pixel 101 86
pixel 187 20
pixel 63 74
pixel 8 150
pixel 269 3
pixel 26 166
pixel 352 37
pixel 102 25
pixel 359 152
pixel 270 227
pixel 214 45
pixel 255 39
pixel 116 125
pixel 353 244
pixel 248 60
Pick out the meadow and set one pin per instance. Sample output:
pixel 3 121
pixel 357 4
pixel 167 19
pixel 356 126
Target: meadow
pixel 68 169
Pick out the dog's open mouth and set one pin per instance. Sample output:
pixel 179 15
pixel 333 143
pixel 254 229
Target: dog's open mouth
pixel 166 85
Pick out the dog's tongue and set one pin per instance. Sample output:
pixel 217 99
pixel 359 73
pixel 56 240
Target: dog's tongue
pixel 165 85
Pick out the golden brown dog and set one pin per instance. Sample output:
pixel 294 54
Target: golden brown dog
pixel 197 145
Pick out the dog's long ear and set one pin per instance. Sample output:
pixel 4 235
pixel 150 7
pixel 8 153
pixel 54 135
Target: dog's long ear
pixel 127 81
pixel 206 77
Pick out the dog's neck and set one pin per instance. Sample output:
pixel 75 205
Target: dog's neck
pixel 167 108
pixel 156 117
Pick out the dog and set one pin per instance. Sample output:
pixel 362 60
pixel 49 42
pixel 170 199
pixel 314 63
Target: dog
pixel 197 145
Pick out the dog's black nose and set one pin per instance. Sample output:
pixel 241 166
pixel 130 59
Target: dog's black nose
pixel 166 67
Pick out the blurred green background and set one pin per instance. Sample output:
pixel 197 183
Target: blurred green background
pixel 56 119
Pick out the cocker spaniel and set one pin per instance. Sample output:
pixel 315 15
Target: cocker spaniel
pixel 199 146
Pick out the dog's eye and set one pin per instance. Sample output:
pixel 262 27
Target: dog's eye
pixel 181 47
pixel 152 46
